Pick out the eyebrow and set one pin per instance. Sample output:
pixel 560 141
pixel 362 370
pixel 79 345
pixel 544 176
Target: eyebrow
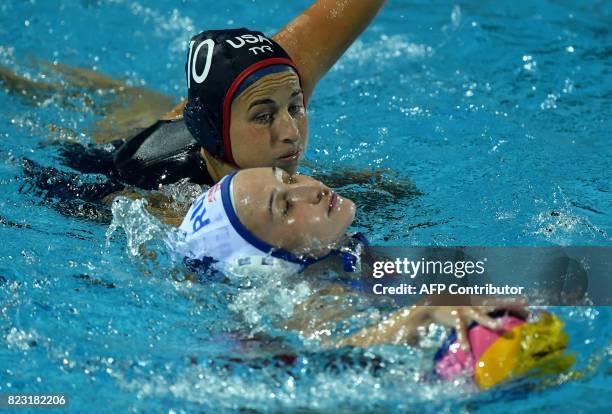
pixel 269 101
pixel 262 102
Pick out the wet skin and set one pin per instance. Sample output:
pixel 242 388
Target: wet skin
pixel 268 123
pixel 295 213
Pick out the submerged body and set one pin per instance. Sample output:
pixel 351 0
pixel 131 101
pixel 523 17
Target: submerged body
pixel 266 221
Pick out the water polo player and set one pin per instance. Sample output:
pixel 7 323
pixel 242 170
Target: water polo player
pixel 265 220
pixel 247 95
pixel 265 217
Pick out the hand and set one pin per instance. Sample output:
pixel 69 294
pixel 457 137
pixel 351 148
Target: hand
pixel 460 317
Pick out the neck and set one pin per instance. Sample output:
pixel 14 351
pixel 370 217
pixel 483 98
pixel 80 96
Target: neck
pixel 216 167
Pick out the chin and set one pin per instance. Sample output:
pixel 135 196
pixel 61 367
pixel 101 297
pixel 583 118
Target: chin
pixel 323 249
pixel 348 211
pixel 346 220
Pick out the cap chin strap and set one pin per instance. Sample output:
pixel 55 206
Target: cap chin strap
pixel 350 255
pixel 256 265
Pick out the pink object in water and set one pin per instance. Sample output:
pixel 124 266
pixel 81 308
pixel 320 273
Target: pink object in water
pixel 456 361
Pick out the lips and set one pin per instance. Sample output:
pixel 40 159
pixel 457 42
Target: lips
pixel 333 201
pixel 291 156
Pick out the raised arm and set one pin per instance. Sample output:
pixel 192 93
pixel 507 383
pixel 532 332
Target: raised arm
pixel 316 39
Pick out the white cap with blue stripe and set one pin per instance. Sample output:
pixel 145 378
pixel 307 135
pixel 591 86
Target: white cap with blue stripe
pixel 213 231
pixel 215 235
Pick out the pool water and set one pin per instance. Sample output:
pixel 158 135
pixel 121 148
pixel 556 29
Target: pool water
pixel 487 123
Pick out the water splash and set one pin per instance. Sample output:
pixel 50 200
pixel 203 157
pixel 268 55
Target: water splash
pixel 385 50
pixel 560 223
pixel 141 227
pixel 267 299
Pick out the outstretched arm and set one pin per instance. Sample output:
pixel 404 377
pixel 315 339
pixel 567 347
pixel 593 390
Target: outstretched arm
pixel 316 39
pixel 402 325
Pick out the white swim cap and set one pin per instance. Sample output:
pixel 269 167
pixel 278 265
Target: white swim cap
pixel 215 234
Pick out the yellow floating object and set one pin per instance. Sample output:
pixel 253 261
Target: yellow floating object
pixel 531 348
pixel 498 362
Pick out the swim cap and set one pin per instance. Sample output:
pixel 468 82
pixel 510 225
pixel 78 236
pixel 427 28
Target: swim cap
pixel 214 232
pixel 218 63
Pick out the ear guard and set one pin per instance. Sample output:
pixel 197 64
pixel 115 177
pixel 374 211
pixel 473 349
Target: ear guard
pixel 200 123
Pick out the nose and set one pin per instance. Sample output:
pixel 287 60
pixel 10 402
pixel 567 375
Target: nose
pixel 287 128
pixel 308 191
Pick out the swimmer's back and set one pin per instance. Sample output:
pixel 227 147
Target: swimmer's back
pixel 164 153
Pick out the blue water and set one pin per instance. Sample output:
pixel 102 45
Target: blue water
pixel 492 118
